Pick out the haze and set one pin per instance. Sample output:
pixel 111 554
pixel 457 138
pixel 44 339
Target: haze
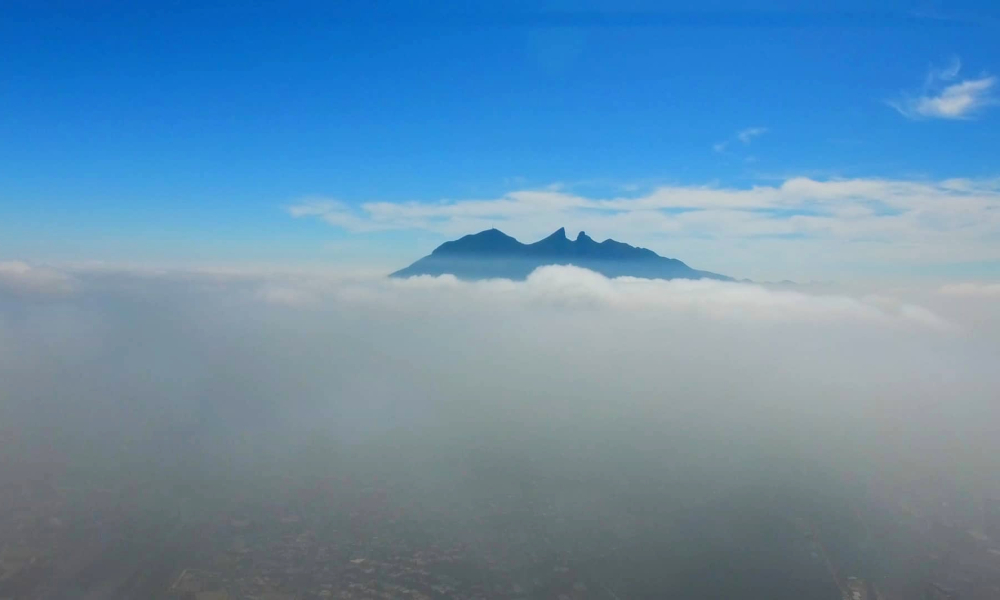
pixel 515 300
pixel 641 434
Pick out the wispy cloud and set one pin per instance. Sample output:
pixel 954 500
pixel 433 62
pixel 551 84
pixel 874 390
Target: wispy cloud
pixel 867 220
pixel 943 96
pixel 744 136
pixel 750 133
pixel 335 213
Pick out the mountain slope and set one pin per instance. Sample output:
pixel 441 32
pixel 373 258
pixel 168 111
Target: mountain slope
pixel 493 254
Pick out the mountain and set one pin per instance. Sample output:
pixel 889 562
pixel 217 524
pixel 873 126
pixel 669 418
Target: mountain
pixel 493 254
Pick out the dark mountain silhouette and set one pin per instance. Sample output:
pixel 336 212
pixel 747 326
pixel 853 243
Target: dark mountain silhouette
pixel 494 254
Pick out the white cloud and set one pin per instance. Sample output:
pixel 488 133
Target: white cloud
pixel 744 136
pixel 20 277
pixel 334 212
pixel 940 99
pixel 957 101
pixel 748 134
pixel 567 287
pixel 286 296
pixel 871 221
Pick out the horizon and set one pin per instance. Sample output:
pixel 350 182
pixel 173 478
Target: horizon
pixel 284 141
pixel 220 380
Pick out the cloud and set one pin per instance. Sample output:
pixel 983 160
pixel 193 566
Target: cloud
pixel 874 221
pixel 744 136
pixel 20 277
pixel 286 296
pixel 601 409
pixel 331 211
pixel 750 133
pixel 958 101
pixel 940 99
pixel 568 287
pixel 270 354
pixel 972 289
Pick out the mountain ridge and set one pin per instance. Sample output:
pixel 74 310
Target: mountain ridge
pixel 492 254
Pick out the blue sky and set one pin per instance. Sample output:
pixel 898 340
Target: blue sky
pixel 300 133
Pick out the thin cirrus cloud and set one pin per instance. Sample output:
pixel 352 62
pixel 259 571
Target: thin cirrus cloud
pixel 744 136
pixel 748 134
pixel 944 96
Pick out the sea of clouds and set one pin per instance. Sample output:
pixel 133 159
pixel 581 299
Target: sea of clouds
pixel 720 378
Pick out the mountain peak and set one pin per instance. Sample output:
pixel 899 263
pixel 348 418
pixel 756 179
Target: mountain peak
pixel 557 244
pixel 490 241
pixel 494 254
pixel 558 234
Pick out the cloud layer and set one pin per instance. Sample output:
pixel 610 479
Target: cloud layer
pixel 308 346
pixel 21 277
pixel 972 289
pixel 632 412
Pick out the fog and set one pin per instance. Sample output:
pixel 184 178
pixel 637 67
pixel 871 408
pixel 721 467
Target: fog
pixel 671 429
